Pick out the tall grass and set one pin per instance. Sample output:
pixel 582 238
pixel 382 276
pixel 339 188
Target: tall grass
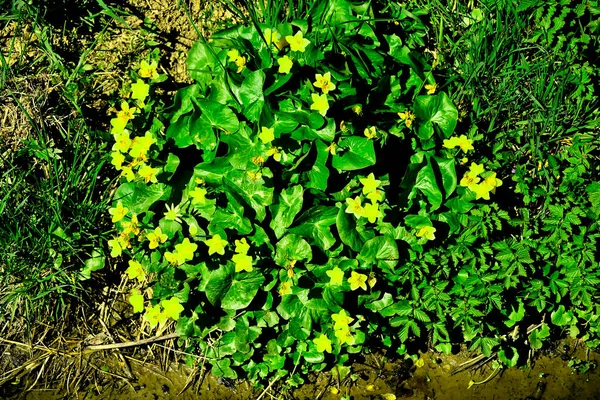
pixel 53 185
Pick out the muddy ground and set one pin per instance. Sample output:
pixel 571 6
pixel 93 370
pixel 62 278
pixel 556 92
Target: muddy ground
pixel 154 372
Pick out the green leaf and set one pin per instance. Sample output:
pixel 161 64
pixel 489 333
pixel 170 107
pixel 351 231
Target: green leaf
pixel 510 357
pixel 380 304
pixel 251 95
pixel 537 336
pixel 314 225
pixel 354 153
pixel 219 282
pixel 139 197
pixel 346 227
pixel 515 316
pixel 95 263
pixel 201 62
pixel 219 116
pixel 242 290
pixel 380 250
pixel 172 164
pixel 254 193
pixel 427 184
pixel 560 317
pixel 439 110
pixel 319 173
pixel 285 208
pixel 593 190
pixel 292 247
pixel 179 131
pixel 448 172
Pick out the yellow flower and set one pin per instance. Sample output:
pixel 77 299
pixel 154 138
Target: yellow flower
pixel 492 181
pixel 156 238
pixel 198 195
pixel 241 63
pixel 371 132
pixel 336 276
pixel 342 320
pixel 324 83
pixel 130 226
pixel 118 212
pixel 115 248
pixel 357 280
pixel 285 65
pixel 172 307
pixel 186 249
pixel 172 213
pixel 468 180
pixel 135 271
pixel 427 232
pixel 451 143
pixel 371 212
pixel 149 173
pixel 408 118
pixel 171 258
pixel 331 149
pixel 216 245
pixel 320 103
pixel 242 262
pixel 475 169
pixel 128 173
pixel 126 113
pixel 297 42
pixel 148 70
pixel 122 141
pixel 357 109
pixel 117 159
pixel 481 190
pixel 354 207
pixel 139 91
pixel 344 336
pixel 375 196
pixel 266 135
pixel 242 246
pixel 233 55
pixel 323 343
pixel 274 151
pixel 154 316
pixel 141 144
pixel 465 144
pixel 370 184
pixel 285 288
pixel 462 141
pixel 430 88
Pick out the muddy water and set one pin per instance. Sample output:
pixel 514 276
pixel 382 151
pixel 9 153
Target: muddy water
pixel 550 377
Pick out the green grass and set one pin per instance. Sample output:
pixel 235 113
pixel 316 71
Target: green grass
pixel 53 183
pixel 511 79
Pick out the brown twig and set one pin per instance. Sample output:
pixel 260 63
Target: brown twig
pixel 130 344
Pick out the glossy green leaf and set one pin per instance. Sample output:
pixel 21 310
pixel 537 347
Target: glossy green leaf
pixel 251 95
pixel 292 247
pixel 201 62
pixel 437 109
pixel 139 197
pixel 315 226
pixel 346 227
pixel 355 152
pixel 285 208
pixel 426 183
pixel 319 173
pixel 242 290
